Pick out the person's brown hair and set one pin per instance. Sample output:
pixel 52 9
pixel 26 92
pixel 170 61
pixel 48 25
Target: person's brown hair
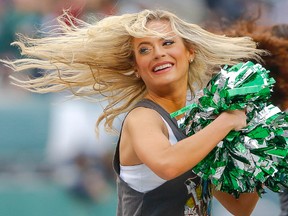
pixel 272 38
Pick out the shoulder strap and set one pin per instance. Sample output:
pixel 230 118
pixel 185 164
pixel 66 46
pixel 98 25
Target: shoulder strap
pixel 179 134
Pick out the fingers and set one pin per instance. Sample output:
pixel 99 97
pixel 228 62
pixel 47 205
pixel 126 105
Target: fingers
pixel 239 118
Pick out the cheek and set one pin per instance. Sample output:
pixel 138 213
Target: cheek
pixel 142 63
pixel 181 54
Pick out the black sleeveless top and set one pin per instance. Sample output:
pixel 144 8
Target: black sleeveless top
pixel 185 195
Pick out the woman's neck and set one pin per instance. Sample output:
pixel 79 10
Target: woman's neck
pixel 170 104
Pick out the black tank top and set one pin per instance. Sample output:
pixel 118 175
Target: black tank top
pixel 185 195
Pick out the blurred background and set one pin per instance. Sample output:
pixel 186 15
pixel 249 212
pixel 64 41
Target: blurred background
pixel 51 162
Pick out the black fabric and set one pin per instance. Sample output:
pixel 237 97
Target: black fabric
pixel 171 121
pixel 284 202
pixel 169 198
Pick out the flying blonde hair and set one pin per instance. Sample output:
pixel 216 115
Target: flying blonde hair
pixel 97 59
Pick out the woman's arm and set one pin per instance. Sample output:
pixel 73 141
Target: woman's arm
pixel 144 130
pixel 243 206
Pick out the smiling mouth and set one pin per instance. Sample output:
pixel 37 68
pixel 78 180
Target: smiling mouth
pixel 162 67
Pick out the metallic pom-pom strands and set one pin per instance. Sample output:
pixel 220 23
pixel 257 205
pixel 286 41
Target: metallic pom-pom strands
pixel 256 155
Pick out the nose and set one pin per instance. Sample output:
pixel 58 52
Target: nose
pixel 159 52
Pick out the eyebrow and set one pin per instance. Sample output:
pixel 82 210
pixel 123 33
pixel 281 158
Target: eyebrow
pixel 143 43
pixel 148 43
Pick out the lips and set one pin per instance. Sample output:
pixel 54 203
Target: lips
pixel 160 67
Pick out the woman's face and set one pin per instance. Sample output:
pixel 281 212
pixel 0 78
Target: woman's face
pixel 162 62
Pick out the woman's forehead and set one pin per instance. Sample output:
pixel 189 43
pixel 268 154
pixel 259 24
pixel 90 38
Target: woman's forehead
pixel 161 28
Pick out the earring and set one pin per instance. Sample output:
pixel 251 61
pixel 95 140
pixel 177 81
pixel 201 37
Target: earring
pixel 191 60
pixel 137 75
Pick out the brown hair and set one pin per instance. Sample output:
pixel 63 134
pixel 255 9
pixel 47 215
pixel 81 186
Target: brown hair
pixel 273 39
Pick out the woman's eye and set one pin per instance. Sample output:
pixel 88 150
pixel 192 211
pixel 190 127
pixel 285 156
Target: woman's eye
pixel 168 42
pixel 144 50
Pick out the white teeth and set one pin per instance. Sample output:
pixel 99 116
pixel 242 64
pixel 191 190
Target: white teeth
pixel 162 67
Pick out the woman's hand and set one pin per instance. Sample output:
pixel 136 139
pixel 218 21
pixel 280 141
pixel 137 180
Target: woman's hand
pixel 237 118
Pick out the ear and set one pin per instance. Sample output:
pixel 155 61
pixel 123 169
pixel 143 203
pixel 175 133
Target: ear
pixel 136 73
pixel 191 54
pixel 135 66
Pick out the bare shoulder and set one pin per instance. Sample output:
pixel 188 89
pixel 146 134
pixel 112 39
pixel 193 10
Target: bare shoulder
pixel 141 128
pixel 141 116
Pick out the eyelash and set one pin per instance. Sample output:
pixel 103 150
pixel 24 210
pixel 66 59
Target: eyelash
pixel 145 50
pixel 168 42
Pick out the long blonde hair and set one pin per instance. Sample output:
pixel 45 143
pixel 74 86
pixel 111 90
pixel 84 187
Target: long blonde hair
pixel 97 59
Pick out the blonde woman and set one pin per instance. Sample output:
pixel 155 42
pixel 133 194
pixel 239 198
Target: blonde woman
pixel 145 64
